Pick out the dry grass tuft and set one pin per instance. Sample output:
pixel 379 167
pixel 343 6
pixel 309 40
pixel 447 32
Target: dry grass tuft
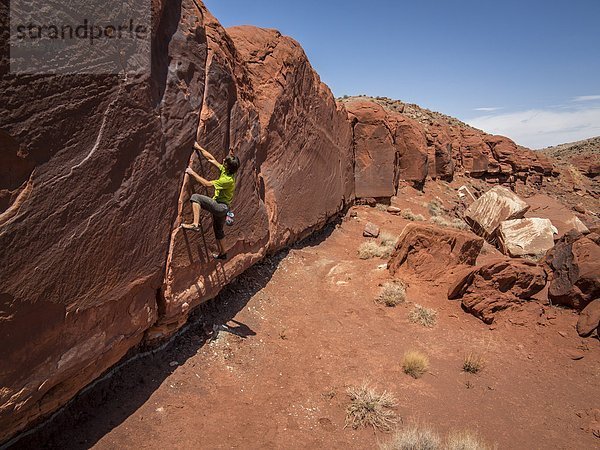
pixel 409 215
pixel 455 222
pixel 419 437
pixel 473 363
pixel 380 248
pixel 414 437
pixel 392 293
pixel 465 440
pixel 369 249
pixel 381 207
pixel 435 207
pixel 368 408
pixel 423 316
pixel 415 363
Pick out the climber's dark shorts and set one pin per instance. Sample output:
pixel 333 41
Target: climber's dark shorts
pixel 218 210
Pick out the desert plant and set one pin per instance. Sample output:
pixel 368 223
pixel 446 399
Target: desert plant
pixel 369 249
pixel 423 316
pixel 465 440
pixel 387 239
pixel 415 363
pixel 435 207
pixel 455 222
pixel 392 293
pixel 409 215
pixel 414 437
pixel 381 207
pixel 473 363
pixel 381 248
pixel 368 408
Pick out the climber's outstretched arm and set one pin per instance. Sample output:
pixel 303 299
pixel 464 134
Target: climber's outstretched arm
pixel 211 159
pixel 198 178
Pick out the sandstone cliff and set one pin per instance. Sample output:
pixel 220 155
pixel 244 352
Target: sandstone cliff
pixel 395 141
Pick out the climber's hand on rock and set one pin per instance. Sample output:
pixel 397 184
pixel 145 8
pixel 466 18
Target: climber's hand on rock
pixel 189 171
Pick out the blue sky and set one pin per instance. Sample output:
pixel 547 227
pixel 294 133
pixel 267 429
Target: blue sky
pixel 527 69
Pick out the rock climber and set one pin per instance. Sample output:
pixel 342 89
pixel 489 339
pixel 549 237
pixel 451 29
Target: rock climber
pixel 218 205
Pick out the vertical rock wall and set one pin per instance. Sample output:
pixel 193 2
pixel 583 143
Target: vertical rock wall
pixel 84 232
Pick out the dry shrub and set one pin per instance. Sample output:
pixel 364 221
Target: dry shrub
pixel 423 316
pixel 368 408
pixel 435 207
pixel 465 440
pixel 418 437
pixel 473 363
pixel 381 207
pixel 409 215
pixel 380 248
pixel 414 437
pixel 455 222
pixel 370 249
pixel 392 293
pixel 415 363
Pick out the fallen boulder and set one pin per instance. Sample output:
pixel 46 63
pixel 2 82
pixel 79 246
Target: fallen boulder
pixel 497 286
pixel 371 230
pixel 430 252
pixel 491 209
pixel 526 237
pixel 575 265
pixel 589 319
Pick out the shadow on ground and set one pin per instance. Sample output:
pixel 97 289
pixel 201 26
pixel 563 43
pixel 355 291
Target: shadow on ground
pixel 109 402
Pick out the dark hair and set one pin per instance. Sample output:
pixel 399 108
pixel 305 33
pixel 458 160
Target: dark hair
pixel 232 164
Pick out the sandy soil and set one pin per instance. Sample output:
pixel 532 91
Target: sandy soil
pixel 302 327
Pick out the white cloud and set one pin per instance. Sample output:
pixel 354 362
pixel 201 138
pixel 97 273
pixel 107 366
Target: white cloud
pixel 585 98
pixel 493 108
pixel 539 128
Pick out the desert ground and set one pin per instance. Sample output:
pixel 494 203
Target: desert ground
pixel 296 331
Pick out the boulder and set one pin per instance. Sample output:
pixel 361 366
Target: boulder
pixel 430 252
pixel 574 223
pixel 497 286
pixel 521 237
pixel 371 230
pixel 388 147
pixel 97 164
pixel 574 263
pixel 589 319
pixel 494 207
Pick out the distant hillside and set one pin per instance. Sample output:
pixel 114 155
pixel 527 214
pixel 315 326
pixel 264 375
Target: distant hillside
pixel 584 155
pixel 413 111
pixel 587 146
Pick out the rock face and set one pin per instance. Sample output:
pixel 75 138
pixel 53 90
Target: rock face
pixel 497 286
pixel 494 207
pixel 304 156
pixel 429 144
pixel 575 265
pixel 520 237
pixel 589 319
pixel 98 164
pixel 430 252
pixel 93 260
pixel 387 147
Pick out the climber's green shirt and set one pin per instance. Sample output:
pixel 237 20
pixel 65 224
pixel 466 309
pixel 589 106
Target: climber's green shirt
pixel 224 187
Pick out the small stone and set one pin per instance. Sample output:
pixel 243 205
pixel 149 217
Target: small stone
pixel 394 210
pixel 173 363
pixel 371 230
pixel 589 319
pixel 575 355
